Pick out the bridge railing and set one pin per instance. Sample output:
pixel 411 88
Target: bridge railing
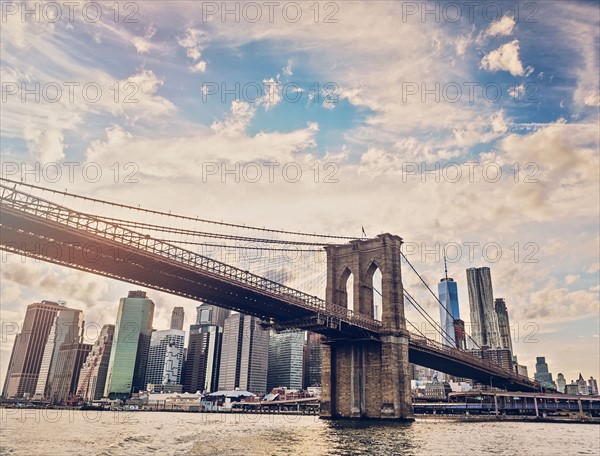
pixel 468 358
pixel 96 226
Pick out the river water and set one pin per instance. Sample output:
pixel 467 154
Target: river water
pixel 68 432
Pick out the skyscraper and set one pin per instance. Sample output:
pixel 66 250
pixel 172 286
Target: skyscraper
pixel 313 358
pixel 460 334
pixel 448 295
pixel 244 355
pixel 561 383
pixel 208 313
pixel 503 324
pixel 67 329
pixel 66 374
pixel 203 358
pixel 165 357
pixel 541 372
pixel 129 354
pixel 285 359
pixel 593 386
pixel 498 356
pixel 582 387
pixel 28 350
pixel 520 369
pixel 92 378
pixel 484 322
pixel 177 318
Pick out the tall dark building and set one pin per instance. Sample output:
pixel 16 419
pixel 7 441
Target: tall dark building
pixel 459 334
pixel 68 367
pixel 177 318
pixel 92 377
pixel 286 350
pixel 68 328
pixel 313 355
pixel 201 372
pixel 244 355
pixel 503 324
pixel 541 372
pixel 484 321
pixel 501 357
pixel 28 350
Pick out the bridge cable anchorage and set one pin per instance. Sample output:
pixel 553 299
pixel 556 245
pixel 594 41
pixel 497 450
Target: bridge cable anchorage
pixel 181 217
pixel 436 298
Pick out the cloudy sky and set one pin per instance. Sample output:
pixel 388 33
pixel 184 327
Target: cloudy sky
pixel 471 127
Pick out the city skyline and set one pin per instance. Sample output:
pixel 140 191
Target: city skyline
pixel 201 320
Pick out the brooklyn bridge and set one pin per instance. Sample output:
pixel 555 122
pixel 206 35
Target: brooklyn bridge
pixel 367 346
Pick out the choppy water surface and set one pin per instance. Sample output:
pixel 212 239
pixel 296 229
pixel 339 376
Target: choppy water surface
pixel 56 432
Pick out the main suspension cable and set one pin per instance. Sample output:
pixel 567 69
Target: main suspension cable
pixel 195 233
pixel 181 217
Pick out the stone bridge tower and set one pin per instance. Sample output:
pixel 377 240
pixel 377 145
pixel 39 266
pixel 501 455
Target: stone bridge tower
pixel 367 378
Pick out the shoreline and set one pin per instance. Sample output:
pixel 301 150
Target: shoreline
pixel 418 417
pixel 507 419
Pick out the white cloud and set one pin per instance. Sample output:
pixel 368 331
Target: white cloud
pixel 142 45
pixel 140 99
pixel 46 145
pixel 592 99
pixel 184 156
pixel 462 43
pixel 287 71
pixel 237 121
pixel 192 43
pixel 529 70
pixel 199 67
pixel 505 58
pixel 560 302
pixel 147 82
pixel 272 95
pixel 501 27
pixel 594 268
pixel 517 91
pixel 572 278
pixel 499 124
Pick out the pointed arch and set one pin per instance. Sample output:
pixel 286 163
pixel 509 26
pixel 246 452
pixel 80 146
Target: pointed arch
pixel 374 298
pixel 347 289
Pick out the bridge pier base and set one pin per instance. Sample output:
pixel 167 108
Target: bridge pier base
pixel 367 379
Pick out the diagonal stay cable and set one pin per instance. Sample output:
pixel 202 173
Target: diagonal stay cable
pixel 433 294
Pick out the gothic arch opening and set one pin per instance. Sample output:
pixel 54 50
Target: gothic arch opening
pixel 374 278
pixel 347 289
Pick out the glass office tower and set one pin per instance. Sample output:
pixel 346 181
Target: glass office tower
pixel 484 320
pixel 129 354
pixel 448 295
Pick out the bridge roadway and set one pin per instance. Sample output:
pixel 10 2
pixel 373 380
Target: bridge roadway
pixel 37 228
